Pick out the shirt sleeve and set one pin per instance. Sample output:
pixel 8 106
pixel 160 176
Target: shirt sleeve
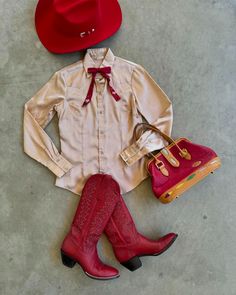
pixel 38 112
pixel 156 108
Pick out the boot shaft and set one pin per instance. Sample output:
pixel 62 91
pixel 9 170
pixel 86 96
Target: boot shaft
pixel 121 229
pixel 98 200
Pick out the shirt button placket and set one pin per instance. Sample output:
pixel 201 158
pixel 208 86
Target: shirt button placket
pixel 101 125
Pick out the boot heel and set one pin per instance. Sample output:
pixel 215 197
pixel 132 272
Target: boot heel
pixel 132 264
pixel 67 261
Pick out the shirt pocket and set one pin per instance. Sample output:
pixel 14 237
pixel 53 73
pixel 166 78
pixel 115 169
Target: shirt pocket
pixel 124 92
pixel 129 115
pixel 128 107
pixel 75 99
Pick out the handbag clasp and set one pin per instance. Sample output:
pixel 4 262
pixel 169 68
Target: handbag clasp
pixel 161 166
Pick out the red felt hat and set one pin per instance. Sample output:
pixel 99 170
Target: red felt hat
pixel 70 25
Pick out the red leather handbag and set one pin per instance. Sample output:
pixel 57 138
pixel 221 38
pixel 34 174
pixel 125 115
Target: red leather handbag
pixel 178 166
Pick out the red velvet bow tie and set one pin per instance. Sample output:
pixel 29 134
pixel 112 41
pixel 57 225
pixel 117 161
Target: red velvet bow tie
pixel 105 73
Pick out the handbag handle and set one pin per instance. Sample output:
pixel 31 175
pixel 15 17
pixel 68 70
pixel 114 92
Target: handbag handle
pixel 150 127
pixel 183 152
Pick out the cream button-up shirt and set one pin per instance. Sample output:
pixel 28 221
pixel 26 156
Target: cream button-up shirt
pixel 94 138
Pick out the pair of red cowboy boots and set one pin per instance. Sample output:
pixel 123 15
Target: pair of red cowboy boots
pixel 102 209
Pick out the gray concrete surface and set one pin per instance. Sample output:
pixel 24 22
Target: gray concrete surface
pixel 189 47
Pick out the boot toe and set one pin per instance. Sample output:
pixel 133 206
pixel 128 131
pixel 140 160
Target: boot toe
pixel 109 271
pixel 104 273
pixel 171 237
pixel 165 242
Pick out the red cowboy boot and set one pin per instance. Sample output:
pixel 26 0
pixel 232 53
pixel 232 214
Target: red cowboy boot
pixel 99 197
pixel 127 243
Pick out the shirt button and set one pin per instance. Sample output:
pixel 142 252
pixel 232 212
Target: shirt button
pixel 101 112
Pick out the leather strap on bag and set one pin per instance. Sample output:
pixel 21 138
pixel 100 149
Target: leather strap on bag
pixel 146 126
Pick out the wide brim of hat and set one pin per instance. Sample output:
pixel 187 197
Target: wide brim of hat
pixel 59 42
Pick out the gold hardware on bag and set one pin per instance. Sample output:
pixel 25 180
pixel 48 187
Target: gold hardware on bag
pixel 161 166
pixel 185 154
pixel 196 164
pixel 170 157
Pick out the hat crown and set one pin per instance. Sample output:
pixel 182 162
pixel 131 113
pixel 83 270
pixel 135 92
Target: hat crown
pixel 76 16
pixel 65 26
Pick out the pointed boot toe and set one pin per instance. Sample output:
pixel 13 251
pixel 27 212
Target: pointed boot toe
pixel 165 243
pixel 105 272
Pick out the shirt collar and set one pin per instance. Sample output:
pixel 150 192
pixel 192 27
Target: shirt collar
pixel 98 53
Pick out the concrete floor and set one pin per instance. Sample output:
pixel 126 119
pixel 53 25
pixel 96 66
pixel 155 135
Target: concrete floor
pixel 190 49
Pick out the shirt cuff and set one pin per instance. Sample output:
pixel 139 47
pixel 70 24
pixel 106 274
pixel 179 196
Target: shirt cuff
pixel 133 153
pixel 59 166
pixel 142 147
